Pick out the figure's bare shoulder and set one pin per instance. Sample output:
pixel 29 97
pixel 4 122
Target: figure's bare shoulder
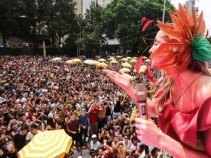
pixel 203 89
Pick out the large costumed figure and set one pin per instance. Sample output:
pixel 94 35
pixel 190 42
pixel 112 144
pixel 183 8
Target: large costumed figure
pixel 183 100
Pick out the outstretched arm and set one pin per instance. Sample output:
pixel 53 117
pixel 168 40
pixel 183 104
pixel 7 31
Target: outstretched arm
pixel 123 81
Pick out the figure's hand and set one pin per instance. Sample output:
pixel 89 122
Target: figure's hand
pixel 121 79
pixel 148 132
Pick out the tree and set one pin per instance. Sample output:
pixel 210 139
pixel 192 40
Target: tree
pixel 8 18
pixel 121 19
pixel 91 41
pixel 63 20
pixel 92 16
pixel 90 29
pixel 27 18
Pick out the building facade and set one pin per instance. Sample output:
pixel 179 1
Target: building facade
pixel 191 3
pixel 79 7
pixel 83 5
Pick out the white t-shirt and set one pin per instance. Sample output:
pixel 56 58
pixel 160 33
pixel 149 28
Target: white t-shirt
pixel 95 146
pixel 133 147
pixel 29 135
pixel 128 144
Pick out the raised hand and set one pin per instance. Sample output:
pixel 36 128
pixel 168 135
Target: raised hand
pixel 121 79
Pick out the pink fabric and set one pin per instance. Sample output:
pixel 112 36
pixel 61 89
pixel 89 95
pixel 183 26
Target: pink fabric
pixel 184 126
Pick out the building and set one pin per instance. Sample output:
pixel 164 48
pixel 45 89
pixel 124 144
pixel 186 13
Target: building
pixel 189 4
pixel 103 3
pixel 83 5
pixel 79 7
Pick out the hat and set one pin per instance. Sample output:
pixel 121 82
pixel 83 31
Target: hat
pixel 94 136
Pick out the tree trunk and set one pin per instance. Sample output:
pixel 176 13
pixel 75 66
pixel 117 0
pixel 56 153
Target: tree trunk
pixel 4 40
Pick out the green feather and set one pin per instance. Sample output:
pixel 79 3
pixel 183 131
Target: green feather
pixel 201 49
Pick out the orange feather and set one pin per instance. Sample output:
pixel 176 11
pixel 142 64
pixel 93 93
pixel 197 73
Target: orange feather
pixel 177 49
pixel 201 23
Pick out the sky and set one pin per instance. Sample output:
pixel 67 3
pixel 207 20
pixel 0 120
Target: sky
pixel 203 5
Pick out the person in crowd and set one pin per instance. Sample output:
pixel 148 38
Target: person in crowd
pixel 94 143
pixel 20 138
pixel 30 99
pixel 33 131
pixel 126 142
pixel 83 119
pixel 3 154
pixel 182 102
pixel 117 107
pixel 10 150
pixel 93 153
pixel 134 144
pixel 126 131
pixel 59 119
pixel 121 150
pixel 102 115
pixel 50 124
pixel 73 128
pixel 93 122
pixel 108 110
pixel 106 150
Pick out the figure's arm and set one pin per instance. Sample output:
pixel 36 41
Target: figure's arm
pixel 123 100
pixel 90 108
pixel 178 150
pixel 151 108
pixel 150 135
pixel 124 82
pixel 110 149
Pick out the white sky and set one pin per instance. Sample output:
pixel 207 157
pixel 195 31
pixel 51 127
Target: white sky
pixel 204 5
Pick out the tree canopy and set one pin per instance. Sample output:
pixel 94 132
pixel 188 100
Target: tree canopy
pixel 32 18
pixel 121 19
pixel 52 19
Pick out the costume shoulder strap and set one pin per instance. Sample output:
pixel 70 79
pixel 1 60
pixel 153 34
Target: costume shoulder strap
pixel 183 92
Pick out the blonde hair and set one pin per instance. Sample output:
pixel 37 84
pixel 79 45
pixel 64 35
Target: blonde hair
pixel 167 82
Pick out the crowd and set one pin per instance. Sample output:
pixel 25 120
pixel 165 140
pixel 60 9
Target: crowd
pixel 37 94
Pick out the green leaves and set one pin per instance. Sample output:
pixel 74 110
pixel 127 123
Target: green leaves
pixel 120 19
pixel 201 49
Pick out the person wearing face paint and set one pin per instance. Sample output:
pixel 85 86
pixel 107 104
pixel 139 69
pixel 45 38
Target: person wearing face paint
pixel 183 100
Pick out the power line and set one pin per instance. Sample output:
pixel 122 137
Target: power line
pixel 140 37
pixel 140 32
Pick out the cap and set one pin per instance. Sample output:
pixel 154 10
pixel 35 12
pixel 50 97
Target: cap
pixel 94 136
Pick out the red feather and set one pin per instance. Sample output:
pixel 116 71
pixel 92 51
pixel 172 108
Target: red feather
pixel 149 75
pixel 143 19
pixel 207 34
pixel 144 41
pixel 146 25
pixel 138 64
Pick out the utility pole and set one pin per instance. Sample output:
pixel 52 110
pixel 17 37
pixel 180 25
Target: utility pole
pixel 164 10
pixel 44 50
pixel 79 46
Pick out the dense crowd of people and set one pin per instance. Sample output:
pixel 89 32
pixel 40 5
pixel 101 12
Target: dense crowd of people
pixel 37 94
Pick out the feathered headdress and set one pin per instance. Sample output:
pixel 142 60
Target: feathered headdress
pixel 185 40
